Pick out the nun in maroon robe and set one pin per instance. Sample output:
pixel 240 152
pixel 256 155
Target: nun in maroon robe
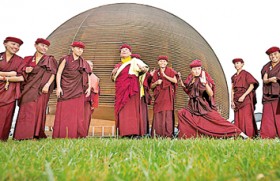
pixel 270 124
pixel 92 101
pixel 164 84
pixel 127 97
pixel 72 83
pixel 10 78
pixel 200 117
pixel 145 100
pixel 243 99
pixel 39 73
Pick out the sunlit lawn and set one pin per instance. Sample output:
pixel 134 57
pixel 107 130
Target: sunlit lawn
pixel 145 159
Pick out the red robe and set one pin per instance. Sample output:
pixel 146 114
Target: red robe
pixel 33 103
pixel 69 116
pixel 200 117
pixel 127 103
pixel 270 124
pixel 244 117
pixel 164 94
pixel 145 101
pixel 8 97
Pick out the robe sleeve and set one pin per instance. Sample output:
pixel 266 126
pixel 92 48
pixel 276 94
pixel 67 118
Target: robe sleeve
pixel 265 69
pixel 251 80
pixel 51 65
pixel 20 68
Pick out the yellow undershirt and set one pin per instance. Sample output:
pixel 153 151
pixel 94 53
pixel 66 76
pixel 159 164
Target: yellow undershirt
pixel 127 59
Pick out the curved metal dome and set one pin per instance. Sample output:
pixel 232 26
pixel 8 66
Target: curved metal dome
pixel 151 32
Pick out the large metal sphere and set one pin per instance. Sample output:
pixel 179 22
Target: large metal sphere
pixel 151 32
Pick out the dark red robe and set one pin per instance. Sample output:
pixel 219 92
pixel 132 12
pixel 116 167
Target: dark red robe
pixel 69 116
pixel 144 102
pixel 33 103
pixel 244 117
pixel 200 117
pixel 164 94
pixel 127 103
pixel 8 97
pixel 270 124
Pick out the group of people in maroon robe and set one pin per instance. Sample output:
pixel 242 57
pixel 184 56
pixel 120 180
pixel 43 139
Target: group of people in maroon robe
pixel 31 81
pixel 200 117
pixel 132 84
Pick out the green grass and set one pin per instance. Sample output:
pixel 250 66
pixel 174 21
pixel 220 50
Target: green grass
pixel 146 159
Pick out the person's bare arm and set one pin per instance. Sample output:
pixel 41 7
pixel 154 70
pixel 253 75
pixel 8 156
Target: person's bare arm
pixel 267 80
pixel 8 74
pixel 59 91
pixel 241 98
pixel 46 87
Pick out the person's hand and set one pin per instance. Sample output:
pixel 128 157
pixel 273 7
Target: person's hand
pixel 241 99
pixel 180 75
pixel 87 92
pixel 45 89
pixel 273 79
pixel 159 81
pixel 203 78
pixel 143 68
pixel 162 72
pixel 180 79
pixel 28 69
pixel 59 92
pixel 114 71
pixel 232 105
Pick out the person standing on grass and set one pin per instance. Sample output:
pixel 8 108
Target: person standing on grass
pixel 92 101
pixel 73 82
pixel 39 73
pixel 270 124
pixel 243 99
pixel 200 117
pixel 127 97
pixel 163 84
pixel 145 98
pixel 10 78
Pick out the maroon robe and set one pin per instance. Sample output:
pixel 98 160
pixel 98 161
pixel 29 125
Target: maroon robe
pixel 244 117
pixel 8 97
pixel 200 117
pixel 270 124
pixel 127 103
pixel 164 94
pixel 33 103
pixel 88 112
pixel 144 102
pixel 69 116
